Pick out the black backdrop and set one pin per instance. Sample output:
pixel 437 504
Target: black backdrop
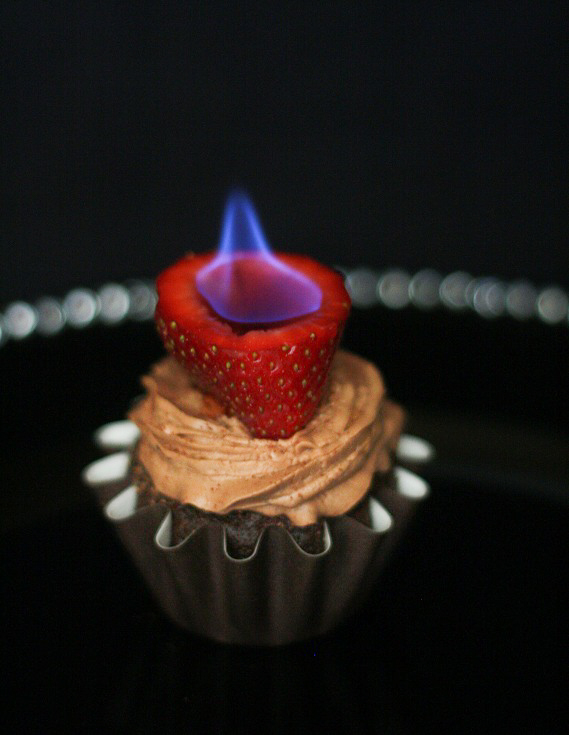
pixel 415 134
pixel 410 133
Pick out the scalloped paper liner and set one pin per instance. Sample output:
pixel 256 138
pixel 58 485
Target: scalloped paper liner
pixel 279 594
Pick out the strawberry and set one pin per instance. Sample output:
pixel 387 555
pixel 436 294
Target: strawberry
pixel 271 376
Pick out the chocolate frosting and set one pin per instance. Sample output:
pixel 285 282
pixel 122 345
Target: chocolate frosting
pixel 196 454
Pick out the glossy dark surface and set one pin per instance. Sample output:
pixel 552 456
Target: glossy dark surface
pixel 466 631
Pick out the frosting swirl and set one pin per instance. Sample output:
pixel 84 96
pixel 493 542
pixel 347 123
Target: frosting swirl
pixel 196 454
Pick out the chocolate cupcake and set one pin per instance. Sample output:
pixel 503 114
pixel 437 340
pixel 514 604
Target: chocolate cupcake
pixel 207 510
pixel 258 492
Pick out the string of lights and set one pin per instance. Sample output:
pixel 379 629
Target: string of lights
pixel 135 300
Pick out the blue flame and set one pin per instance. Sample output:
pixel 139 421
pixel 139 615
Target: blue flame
pixel 241 231
pixel 245 282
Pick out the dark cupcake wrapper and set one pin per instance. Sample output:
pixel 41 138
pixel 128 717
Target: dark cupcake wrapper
pixel 277 595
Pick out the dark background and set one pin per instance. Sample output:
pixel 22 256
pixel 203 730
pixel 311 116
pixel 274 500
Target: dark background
pixel 408 134
pixel 411 133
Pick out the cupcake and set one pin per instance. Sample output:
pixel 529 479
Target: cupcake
pixel 256 485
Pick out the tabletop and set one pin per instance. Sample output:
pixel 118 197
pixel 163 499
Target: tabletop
pixel 467 624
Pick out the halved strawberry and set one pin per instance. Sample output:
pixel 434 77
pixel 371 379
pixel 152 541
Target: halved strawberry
pixel 271 376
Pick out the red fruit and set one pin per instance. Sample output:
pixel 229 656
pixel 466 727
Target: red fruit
pixel 271 376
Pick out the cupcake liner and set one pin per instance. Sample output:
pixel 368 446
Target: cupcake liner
pixel 279 593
